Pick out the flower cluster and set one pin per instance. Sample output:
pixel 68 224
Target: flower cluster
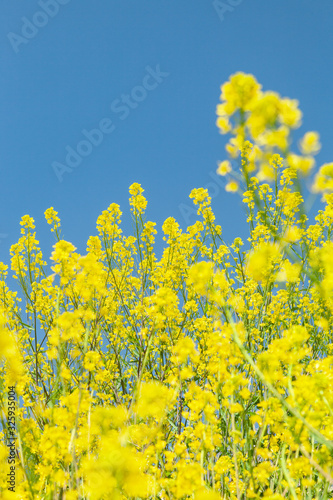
pixel 204 374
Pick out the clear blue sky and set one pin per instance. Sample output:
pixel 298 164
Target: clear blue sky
pixel 85 57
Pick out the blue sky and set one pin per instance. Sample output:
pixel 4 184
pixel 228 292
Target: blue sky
pixel 74 72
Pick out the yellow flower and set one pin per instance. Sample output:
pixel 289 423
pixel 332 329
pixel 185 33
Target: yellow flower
pixel 224 167
pixel 264 113
pixel 200 275
pixel 322 323
pixel 223 124
pixel 310 144
pixel 135 189
pixel 204 494
pixel 266 173
pixel 135 379
pixel 223 464
pixel 200 196
pixel 301 163
pixel 289 272
pixel 65 373
pixel 9 349
pixel 62 249
pixel 184 348
pixel 137 201
pixel 235 408
pixel 91 360
pixel 260 262
pixel 324 179
pixel 232 187
pixel 27 222
pixel 239 92
pixel 275 138
pixel 289 113
pixel 263 471
pixel 153 399
pixel 51 217
pixel 292 234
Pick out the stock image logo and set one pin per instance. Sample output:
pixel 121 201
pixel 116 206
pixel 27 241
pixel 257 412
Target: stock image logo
pixel 121 107
pixel 222 8
pixel 30 27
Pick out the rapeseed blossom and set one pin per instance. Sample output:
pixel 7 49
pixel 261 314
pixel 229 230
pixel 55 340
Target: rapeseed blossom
pixel 206 373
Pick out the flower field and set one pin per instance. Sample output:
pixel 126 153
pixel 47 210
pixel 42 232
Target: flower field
pixel 205 374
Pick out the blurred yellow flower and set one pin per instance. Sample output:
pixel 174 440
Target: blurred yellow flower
pixel 224 167
pixel 232 186
pixel 310 143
